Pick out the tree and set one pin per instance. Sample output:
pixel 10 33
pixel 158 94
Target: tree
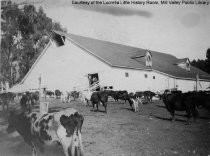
pixel 25 33
pixel 208 60
pixel 203 64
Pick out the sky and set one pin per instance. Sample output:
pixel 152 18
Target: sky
pixel 181 30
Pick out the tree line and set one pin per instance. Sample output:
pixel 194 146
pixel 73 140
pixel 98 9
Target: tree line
pixel 203 64
pixel 25 31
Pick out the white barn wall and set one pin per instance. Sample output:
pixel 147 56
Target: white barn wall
pixel 65 67
pixel 204 85
pixel 186 85
pixel 136 80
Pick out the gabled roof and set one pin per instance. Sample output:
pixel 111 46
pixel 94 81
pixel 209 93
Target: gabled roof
pixel 118 55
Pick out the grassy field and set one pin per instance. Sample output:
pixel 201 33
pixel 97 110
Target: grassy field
pixel 121 132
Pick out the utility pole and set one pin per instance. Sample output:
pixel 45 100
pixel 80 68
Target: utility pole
pixel 0 42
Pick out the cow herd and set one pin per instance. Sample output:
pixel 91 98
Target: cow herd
pixel 134 99
pixel 64 127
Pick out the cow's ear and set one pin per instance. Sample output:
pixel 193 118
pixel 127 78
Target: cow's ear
pixel 64 120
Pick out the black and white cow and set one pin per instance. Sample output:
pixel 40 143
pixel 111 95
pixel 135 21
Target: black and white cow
pixel 38 130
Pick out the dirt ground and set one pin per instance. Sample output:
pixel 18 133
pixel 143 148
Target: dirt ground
pixel 122 132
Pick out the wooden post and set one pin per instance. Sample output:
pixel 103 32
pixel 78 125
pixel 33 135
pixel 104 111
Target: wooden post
pixel 196 86
pixel 40 93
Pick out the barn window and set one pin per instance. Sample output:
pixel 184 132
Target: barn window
pixel 58 39
pixel 126 75
pixel 148 58
pixel 153 77
pixel 145 75
pixel 188 65
pixel 184 64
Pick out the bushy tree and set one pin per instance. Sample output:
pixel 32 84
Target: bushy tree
pixel 25 33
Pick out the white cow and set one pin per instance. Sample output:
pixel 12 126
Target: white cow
pixel 136 102
pixel 64 97
pixel 85 96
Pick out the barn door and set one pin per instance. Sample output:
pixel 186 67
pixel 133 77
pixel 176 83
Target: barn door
pixel 93 78
pixel 94 81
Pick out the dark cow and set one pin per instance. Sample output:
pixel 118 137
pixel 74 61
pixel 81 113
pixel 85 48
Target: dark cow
pixel 139 94
pixel 58 93
pixel 132 95
pixel 6 98
pixel 122 95
pixel 116 95
pixel 200 99
pixel 26 102
pixel 75 95
pixel 34 97
pixel 180 102
pixel 97 97
pixel 119 95
pixel 49 93
pixel 148 95
pixel 167 91
pixel 113 94
pixel 38 130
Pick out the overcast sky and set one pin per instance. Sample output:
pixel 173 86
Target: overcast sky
pixel 181 30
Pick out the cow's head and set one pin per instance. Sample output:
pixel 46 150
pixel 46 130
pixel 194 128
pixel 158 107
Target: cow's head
pixel 72 125
pixel 12 122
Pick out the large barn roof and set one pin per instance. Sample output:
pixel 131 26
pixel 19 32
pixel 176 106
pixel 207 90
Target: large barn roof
pixel 118 55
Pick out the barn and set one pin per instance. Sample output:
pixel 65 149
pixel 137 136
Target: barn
pixel 73 62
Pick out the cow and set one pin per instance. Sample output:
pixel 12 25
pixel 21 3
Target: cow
pixel 113 94
pixel 75 95
pixel 38 130
pixel 34 97
pixel 6 99
pixel 167 91
pixel 139 94
pixel 85 96
pixel 180 102
pixel 99 97
pixel 116 95
pixel 57 93
pixel 201 99
pixel 65 98
pixel 148 95
pixel 134 101
pixel 49 93
pixel 26 102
